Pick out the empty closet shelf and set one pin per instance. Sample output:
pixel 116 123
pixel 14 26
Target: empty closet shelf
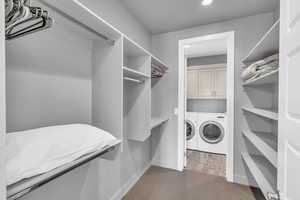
pixel 267 79
pixel 267 45
pixel 155 122
pixel 263 113
pixel 134 74
pixel 263 172
pixel 265 142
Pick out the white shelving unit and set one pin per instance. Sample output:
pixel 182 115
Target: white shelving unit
pixel 270 78
pixel 134 73
pixel 262 112
pixel 265 142
pixel 263 163
pixel 263 172
pixel 137 98
pixel 266 46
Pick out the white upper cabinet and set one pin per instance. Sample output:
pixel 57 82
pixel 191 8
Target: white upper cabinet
pixel 220 83
pixel 192 83
pixel 206 82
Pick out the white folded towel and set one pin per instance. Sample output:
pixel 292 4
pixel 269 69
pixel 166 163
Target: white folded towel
pixel 253 70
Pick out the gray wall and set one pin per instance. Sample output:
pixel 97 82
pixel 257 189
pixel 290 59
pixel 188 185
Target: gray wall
pixel 114 12
pixel 209 105
pixel 207 60
pixel 248 31
pixel 41 88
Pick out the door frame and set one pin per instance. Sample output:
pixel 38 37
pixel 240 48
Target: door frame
pixel 229 95
pixel 2 101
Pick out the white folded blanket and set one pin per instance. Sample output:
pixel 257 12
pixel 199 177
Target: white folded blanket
pixel 253 70
pixel 33 152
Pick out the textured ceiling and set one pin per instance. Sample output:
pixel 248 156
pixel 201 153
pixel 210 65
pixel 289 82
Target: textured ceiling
pixel 161 16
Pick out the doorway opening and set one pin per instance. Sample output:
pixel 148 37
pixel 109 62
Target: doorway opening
pixel 206 102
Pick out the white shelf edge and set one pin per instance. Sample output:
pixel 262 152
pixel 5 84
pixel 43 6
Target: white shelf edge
pixel 265 36
pixel 261 78
pixel 27 185
pixel 155 122
pixel 262 112
pixel 266 179
pixel 135 72
pixel 262 146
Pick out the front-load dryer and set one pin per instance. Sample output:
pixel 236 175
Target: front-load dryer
pixel 191 124
pixel 212 133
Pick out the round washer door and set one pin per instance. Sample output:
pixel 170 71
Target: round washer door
pixel 211 132
pixel 190 130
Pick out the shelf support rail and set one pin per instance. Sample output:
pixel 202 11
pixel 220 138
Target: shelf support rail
pixel 104 37
pixel 54 176
pixel 133 80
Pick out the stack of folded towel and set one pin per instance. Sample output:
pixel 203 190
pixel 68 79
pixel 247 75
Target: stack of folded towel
pixel 261 67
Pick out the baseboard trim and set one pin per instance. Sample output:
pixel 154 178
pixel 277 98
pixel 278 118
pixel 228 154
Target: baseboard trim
pixel 244 180
pixel 129 184
pixel 164 165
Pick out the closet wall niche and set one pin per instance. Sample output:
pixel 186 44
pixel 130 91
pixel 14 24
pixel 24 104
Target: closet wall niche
pixel 56 77
pixel 137 91
pixel 82 70
pixel 67 74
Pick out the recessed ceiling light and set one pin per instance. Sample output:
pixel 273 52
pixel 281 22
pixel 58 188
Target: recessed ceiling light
pixel 206 2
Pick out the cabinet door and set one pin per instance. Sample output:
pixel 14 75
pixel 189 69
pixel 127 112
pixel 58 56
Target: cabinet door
pixel 205 84
pixel 289 98
pixel 192 84
pixel 220 83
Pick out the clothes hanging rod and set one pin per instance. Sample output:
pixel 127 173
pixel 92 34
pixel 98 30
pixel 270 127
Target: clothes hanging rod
pixel 104 37
pixel 133 80
pixel 18 190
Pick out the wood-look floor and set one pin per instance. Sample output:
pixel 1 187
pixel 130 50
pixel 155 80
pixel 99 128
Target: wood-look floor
pixel 165 184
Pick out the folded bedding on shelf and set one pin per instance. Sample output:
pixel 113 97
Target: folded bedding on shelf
pixel 261 67
pixel 37 151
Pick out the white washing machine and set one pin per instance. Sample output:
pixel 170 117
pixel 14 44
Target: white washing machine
pixel 212 133
pixel 191 124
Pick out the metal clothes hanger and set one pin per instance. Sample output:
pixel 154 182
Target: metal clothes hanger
pixel 18 15
pixel 42 24
pixel 14 10
pixel 21 18
pixel 8 6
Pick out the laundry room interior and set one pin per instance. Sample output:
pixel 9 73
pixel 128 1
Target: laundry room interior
pixel 206 137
